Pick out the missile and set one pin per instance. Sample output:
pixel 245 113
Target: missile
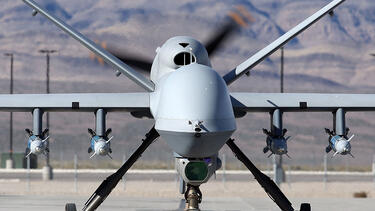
pixel 36 144
pixel 339 144
pixel 100 145
pixel 276 144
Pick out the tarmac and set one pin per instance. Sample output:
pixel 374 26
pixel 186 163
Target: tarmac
pixel 52 203
pixel 161 193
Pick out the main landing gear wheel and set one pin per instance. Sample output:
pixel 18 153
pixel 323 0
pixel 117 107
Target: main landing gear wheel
pixel 305 207
pixel 70 207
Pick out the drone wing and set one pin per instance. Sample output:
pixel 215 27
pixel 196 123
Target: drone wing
pixel 301 102
pixel 136 103
pixel 247 65
pixel 96 49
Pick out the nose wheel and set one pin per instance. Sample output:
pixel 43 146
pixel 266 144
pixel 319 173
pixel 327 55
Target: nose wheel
pixel 193 197
pixel 70 207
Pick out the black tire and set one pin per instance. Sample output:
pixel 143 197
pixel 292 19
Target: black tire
pixel 70 207
pixel 305 207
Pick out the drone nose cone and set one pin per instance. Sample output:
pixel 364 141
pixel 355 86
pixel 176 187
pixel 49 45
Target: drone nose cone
pixel 194 93
pixel 342 146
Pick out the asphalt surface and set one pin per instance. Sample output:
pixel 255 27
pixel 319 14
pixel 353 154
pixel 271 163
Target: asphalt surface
pixel 158 191
pixel 52 203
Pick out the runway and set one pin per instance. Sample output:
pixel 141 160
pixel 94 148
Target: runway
pixel 52 203
pixel 159 191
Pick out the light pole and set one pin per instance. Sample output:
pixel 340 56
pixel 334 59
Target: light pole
pixel 47 170
pixel 279 173
pixel 282 70
pixel 9 162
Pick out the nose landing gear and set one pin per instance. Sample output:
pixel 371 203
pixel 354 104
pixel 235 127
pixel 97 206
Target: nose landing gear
pixel 193 197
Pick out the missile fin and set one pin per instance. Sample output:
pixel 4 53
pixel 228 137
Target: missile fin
pixel 28 154
pixel 91 132
pixel 109 140
pixel 45 132
pixel 335 154
pixel 108 132
pixel 28 132
pixel 44 140
pixel 350 138
pixel 110 156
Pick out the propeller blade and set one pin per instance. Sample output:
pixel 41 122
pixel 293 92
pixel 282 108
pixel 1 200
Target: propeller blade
pixel 288 156
pixel 110 156
pixel 350 138
pixel 214 43
pixel 288 138
pixel 142 64
pixel 240 18
pixel 270 155
pixel 351 154
pixel 132 60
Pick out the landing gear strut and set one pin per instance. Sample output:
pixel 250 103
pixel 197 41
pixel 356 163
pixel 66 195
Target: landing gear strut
pixel 193 197
pixel 110 182
pixel 268 185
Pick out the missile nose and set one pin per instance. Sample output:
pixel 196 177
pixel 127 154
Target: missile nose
pixel 102 151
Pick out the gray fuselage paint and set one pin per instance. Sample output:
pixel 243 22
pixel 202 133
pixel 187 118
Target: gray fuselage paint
pixel 191 104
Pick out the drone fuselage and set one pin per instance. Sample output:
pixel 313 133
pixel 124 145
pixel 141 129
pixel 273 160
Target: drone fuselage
pixel 191 104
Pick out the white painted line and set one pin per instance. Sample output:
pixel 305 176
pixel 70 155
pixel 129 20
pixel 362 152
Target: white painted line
pixel 9 180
